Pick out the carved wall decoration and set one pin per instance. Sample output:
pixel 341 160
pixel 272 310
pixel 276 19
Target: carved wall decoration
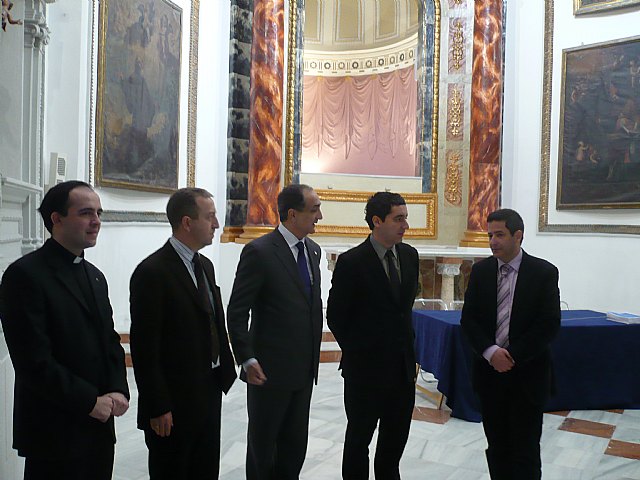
pixel 455 111
pixel 457 42
pixel 457 3
pixel 453 179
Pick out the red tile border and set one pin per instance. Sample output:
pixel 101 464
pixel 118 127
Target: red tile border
pixel 561 413
pixel 431 415
pixel 586 427
pixel 618 448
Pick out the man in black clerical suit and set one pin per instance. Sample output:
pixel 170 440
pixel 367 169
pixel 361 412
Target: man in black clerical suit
pixel 278 281
pixel 70 373
pixel 511 313
pixel 181 356
pixel 369 312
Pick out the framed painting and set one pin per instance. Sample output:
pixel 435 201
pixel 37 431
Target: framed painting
pixel 584 7
pixel 138 95
pixel 599 141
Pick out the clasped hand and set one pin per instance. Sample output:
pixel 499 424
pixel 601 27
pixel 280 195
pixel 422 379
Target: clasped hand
pixel 108 405
pixel 502 361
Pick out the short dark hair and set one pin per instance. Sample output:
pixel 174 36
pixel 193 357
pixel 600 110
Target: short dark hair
pixel 57 200
pixel 291 196
pixel 183 203
pixel 380 205
pixel 512 219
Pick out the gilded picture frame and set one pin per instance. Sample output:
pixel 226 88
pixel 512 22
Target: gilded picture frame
pixel 546 216
pixel 585 7
pixel 599 149
pixel 138 95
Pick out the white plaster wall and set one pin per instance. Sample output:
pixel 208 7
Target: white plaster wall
pixel 121 246
pixel 599 272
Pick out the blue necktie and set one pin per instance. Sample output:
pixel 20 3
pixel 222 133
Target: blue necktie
pixel 303 270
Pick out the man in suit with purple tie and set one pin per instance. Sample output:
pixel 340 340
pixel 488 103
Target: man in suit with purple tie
pixel 511 313
pixel 278 282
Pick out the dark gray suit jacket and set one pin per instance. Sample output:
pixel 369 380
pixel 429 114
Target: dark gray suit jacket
pixel 286 326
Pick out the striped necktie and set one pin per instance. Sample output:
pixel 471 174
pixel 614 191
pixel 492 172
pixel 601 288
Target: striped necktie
pixel 504 306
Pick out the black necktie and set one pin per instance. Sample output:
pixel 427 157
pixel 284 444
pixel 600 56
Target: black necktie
pixel 303 270
pixel 206 301
pixel 394 278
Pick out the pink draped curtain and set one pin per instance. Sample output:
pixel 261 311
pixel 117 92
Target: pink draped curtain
pixel 362 124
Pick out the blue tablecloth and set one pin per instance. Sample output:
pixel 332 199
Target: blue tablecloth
pixel 596 362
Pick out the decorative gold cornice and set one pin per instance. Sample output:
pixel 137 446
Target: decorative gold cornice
pixel 474 239
pixel 230 234
pixel 251 232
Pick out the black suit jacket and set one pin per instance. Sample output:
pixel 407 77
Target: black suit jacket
pixel 65 353
pixel 286 325
pixel 535 319
pixel 171 341
pixel 374 331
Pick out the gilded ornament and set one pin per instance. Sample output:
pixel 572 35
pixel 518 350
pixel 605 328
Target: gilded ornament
pixel 457 46
pixel 455 113
pixel 453 181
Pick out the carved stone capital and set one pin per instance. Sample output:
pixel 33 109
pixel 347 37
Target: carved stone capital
pixel 448 269
pixel 36 31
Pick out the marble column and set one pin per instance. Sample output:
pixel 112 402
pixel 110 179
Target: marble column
pixel 265 120
pixel 238 122
pixel 448 268
pixel 486 119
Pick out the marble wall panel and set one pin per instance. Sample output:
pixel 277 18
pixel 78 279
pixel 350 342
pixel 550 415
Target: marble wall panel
pixel 239 105
pixel 240 57
pixel 239 86
pixel 457 57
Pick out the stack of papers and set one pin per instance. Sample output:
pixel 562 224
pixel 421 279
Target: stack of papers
pixel 623 317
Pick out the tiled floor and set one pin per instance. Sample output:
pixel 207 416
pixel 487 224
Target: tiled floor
pixel 575 445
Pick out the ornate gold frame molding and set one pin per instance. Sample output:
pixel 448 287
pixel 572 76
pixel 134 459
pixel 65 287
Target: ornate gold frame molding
pixel 429 200
pixel 545 153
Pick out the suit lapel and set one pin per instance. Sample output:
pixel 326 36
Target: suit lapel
pixel 521 282
pixel 178 269
pixel 376 270
pixel 407 271
pixel 283 253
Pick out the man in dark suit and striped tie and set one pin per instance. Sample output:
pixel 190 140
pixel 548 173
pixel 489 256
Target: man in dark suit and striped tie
pixel 511 313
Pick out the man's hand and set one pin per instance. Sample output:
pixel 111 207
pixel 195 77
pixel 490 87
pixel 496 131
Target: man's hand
pixel 120 403
pixel 102 409
pixel 162 425
pixel 501 360
pixel 255 375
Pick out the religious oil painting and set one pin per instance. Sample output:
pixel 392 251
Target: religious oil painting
pixel 599 151
pixel 137 120
pixel 585 7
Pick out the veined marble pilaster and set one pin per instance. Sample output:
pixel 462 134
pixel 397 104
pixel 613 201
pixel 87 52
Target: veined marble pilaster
pixel 486 119
pixel 265 140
